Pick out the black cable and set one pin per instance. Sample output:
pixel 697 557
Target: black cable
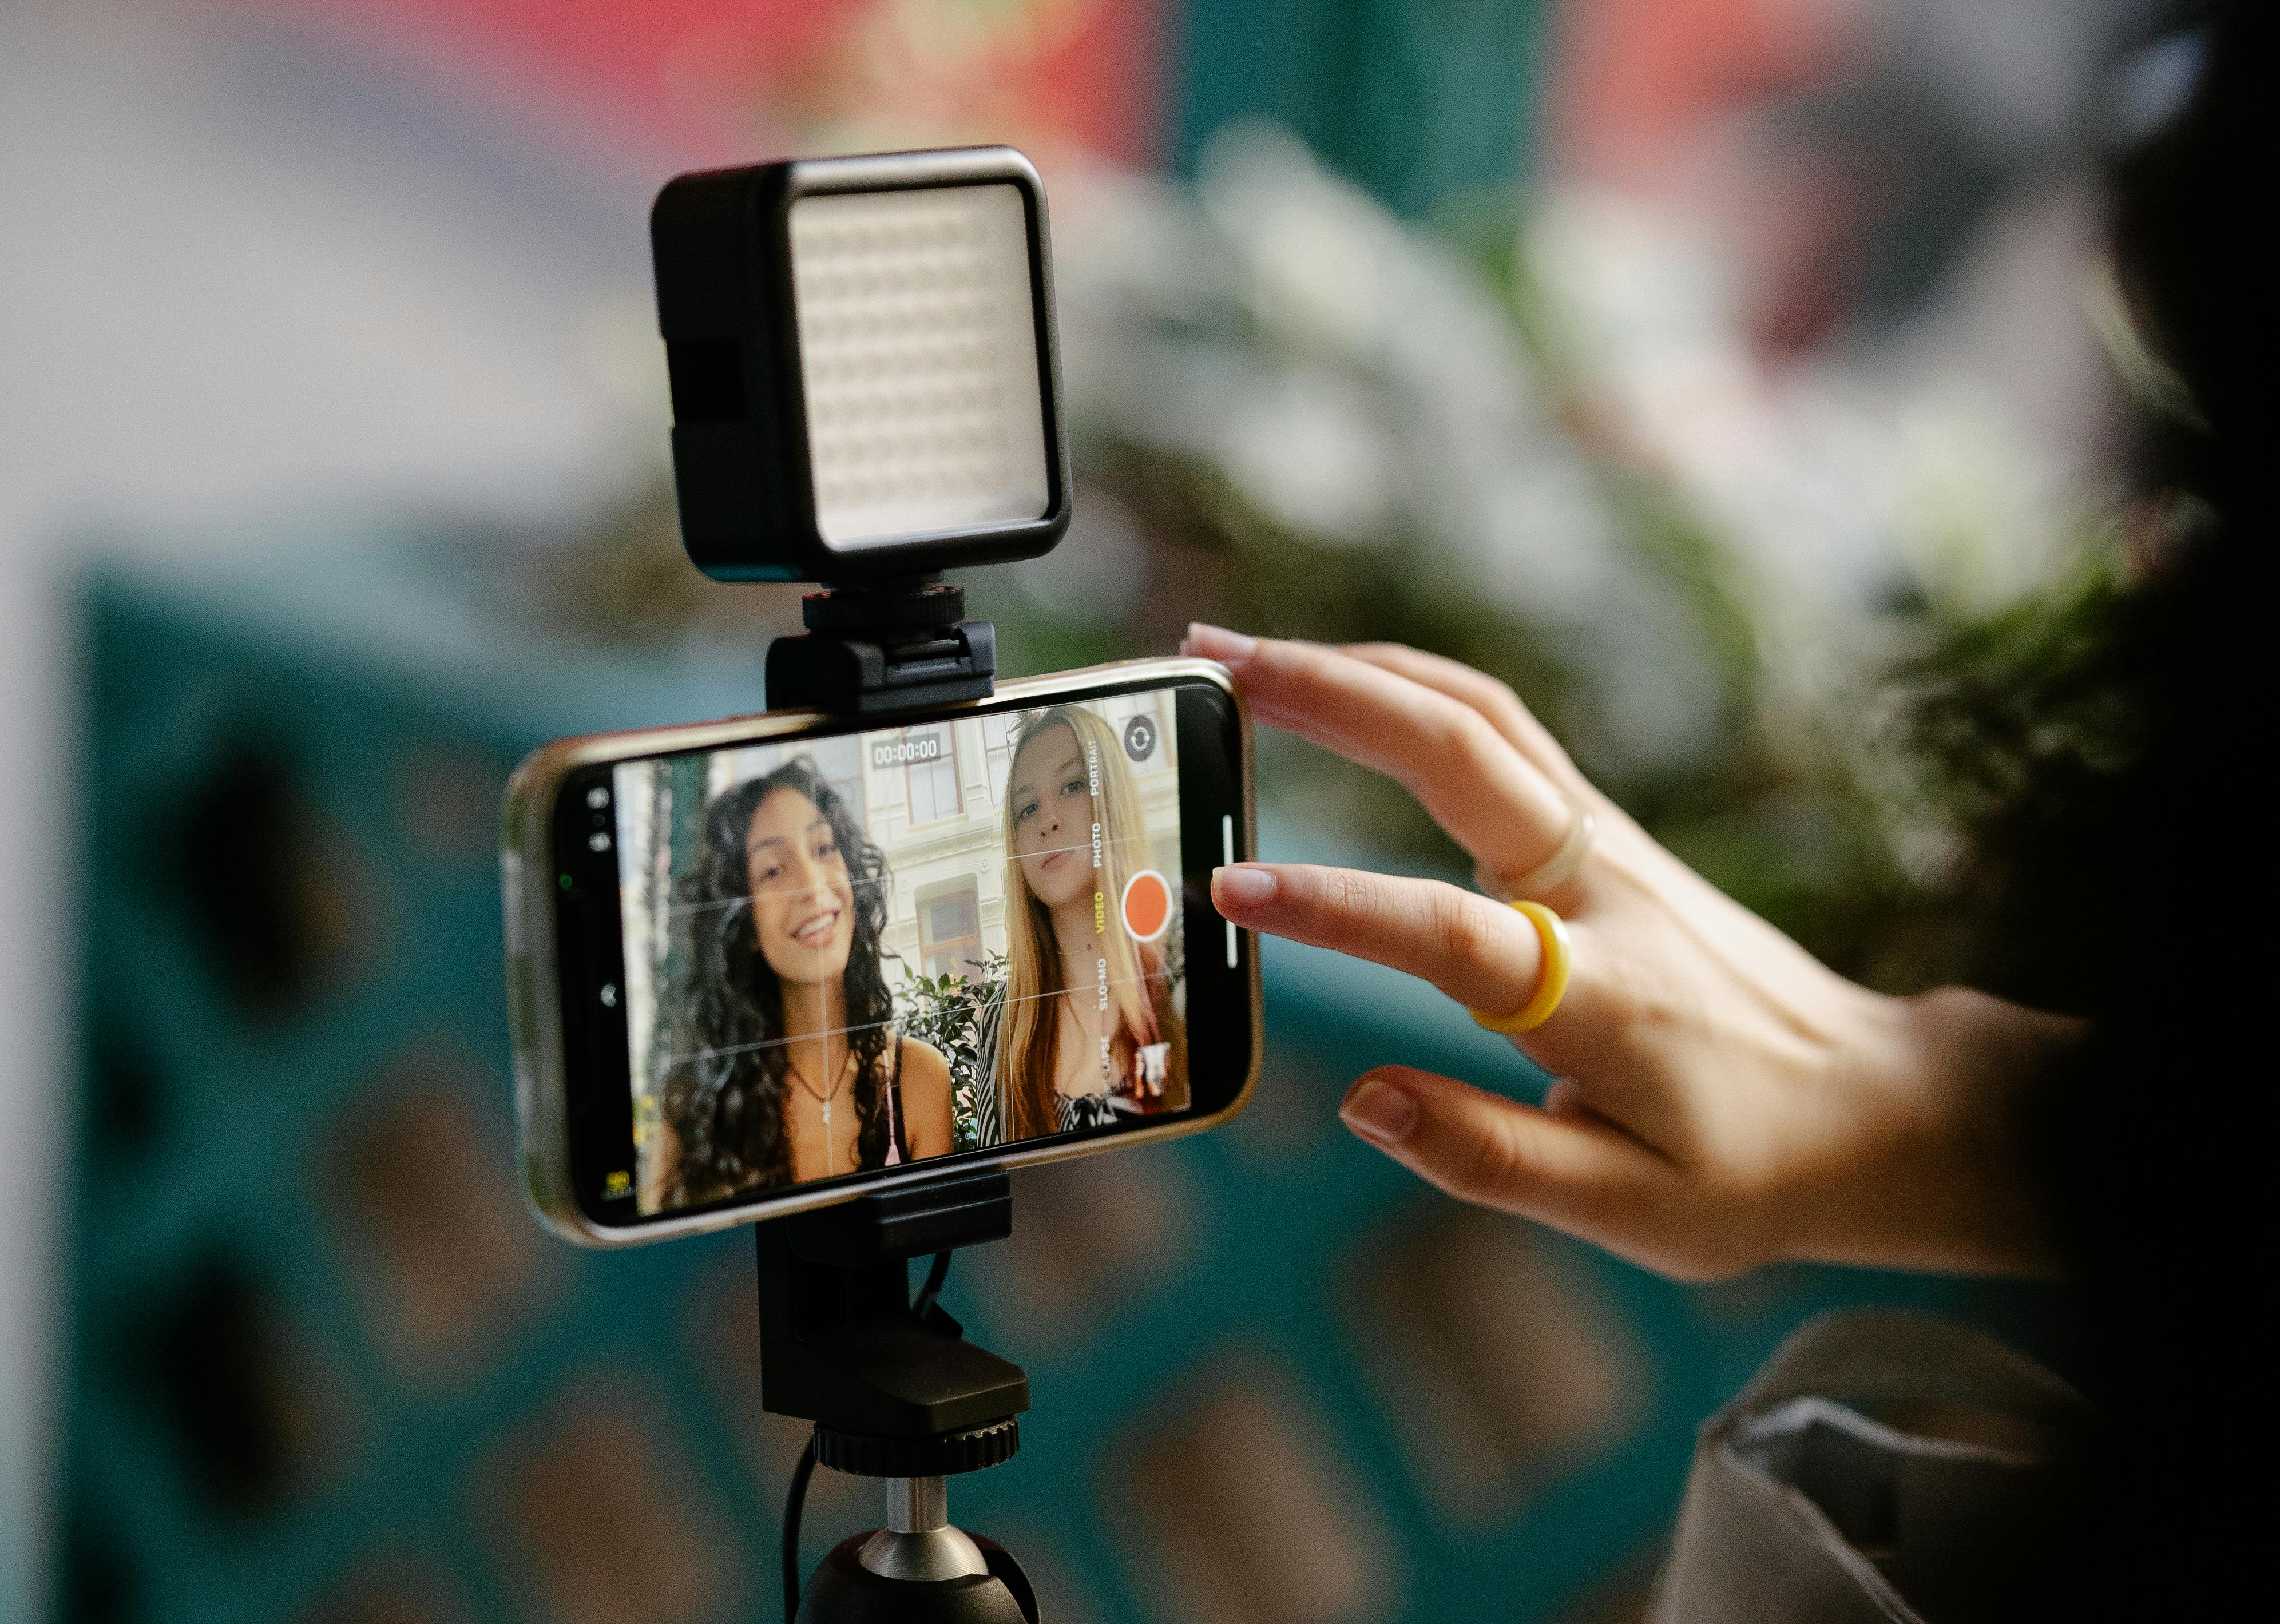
pixel 796 1496
pixel 932 1289
pixel 795 1502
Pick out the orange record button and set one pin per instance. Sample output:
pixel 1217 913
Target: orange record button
pixel 1147 905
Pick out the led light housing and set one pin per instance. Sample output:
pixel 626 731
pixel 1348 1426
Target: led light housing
pixel 865 383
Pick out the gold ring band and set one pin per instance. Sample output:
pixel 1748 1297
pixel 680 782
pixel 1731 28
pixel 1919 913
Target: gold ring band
pixel 1551 978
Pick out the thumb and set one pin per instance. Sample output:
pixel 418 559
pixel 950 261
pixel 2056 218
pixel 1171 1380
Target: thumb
pixel 1576 1174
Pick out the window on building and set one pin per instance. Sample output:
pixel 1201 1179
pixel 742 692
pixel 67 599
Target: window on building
pixel 998 733
pixel 840 762
pixel 932 761
pixel 950 928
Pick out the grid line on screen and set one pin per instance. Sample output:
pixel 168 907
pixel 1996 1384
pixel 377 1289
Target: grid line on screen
pixel 680 908
pixel 672 1061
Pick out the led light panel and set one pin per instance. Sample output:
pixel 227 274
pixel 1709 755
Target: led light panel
pixel 918 343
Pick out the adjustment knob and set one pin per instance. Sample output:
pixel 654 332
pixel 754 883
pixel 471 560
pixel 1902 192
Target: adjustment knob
pixel 941 1454
pixel 896 606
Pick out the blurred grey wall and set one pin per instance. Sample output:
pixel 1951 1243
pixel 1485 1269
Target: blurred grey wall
pixel 245 271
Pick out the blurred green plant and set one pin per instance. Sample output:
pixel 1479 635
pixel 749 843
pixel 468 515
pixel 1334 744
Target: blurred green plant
pixel 2021 727
pixel 1291 413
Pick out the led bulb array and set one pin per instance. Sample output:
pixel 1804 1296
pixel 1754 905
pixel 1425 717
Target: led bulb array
pixel 919 359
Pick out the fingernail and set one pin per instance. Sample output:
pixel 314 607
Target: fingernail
pixel 1245 886
pixel 1379 1112
pixel 1217 643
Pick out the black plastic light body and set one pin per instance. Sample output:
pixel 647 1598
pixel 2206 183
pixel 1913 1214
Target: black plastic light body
pixel 746 463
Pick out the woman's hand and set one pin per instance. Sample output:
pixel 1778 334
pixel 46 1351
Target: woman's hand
pixel 1722 1100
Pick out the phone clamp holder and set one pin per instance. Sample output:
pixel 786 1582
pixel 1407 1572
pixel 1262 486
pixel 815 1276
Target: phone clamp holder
pixel 897 1392
pixel 894 645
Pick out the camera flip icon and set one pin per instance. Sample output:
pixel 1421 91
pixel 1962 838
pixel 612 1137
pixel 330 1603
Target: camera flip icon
pixel 1140 737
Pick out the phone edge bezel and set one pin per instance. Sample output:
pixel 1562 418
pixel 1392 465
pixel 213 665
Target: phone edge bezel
pixel 535 1007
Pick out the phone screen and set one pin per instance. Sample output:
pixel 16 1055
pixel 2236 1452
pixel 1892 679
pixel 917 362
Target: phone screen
pixel 853 952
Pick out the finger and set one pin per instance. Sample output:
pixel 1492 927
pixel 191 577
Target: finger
pixel 1480 953
pixel 1484 955
pixel 1493 699
pixel 1585 1177
pixel 1495 803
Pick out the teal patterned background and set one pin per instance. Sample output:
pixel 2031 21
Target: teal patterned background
pixel 323 1366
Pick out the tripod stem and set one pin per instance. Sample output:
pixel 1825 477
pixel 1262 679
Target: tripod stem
pixel 917 1505
pixel 918 1542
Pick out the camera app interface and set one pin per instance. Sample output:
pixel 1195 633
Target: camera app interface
pixel 844 954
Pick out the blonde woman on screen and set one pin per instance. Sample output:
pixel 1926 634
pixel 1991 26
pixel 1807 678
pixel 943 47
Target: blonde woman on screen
pixel 1086 1032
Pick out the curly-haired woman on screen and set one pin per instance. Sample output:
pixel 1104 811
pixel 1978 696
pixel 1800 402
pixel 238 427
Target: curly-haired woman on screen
pixel 786 1064
pixel 1086 1032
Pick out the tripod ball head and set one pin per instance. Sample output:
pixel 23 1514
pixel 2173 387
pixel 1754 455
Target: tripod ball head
pixel 843 1590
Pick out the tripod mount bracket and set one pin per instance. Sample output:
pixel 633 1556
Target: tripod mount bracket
pixel 871 650
pixel 892 1394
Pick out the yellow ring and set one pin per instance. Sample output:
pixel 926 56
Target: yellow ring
pixel 1551 980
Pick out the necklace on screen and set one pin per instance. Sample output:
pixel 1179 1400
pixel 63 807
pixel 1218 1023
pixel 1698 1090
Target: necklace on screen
pixel 824 1099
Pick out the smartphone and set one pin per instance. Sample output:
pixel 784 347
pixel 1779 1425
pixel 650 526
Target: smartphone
pixel 767 964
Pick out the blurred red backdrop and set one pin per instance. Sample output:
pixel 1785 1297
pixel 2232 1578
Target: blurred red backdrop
pixel 716 81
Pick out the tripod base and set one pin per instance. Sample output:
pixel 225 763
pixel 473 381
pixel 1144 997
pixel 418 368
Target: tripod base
pixel 841 1590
